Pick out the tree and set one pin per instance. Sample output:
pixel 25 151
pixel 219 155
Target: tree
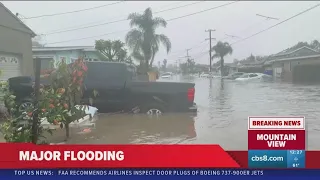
pixel 191 65
pixel 143 40
pixel 222 49
pixel 164 65
pixel 315 45
pixel 188 67
pixel 36 42
pixel 113 51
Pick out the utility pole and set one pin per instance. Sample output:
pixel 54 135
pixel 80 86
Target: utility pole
pixel 35 120
pixel 210 52
pixel 188 53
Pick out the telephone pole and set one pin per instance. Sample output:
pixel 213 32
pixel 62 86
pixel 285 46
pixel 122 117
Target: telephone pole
pixel 210 52
pixel 188 53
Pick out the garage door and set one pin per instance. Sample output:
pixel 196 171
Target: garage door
pixel 9 66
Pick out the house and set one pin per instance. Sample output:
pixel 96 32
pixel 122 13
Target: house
pixel 229 68
pixel 68 53
pixel 302 64
pixel 254 66
pixel 15 45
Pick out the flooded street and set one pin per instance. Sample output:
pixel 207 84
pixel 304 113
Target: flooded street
pixel 223 109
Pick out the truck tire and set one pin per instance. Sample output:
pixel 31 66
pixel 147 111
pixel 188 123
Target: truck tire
pixel 153 109
pixel 25 104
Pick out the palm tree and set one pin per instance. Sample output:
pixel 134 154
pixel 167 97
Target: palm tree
pixel 221 49
pixel 143 40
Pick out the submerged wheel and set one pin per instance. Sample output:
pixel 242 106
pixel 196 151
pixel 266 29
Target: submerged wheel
pixel 24 106
pixel 154 112
pixel 153 109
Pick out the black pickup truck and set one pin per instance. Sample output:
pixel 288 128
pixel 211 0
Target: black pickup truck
pixel 118 90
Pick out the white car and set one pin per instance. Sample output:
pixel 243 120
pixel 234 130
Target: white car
pixel 166 75
pixel 204 75
pixel 253 76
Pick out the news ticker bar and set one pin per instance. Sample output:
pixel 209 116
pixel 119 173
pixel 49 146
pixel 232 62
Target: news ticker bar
pixel 151 172
pixel 276 142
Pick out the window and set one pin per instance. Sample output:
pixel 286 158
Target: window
pixel 253 75
pixel 101 71
pixel 46 64
pixel 72 60
pixel 63 59
pixel 132 71
pixel 91 59
pixel 244 76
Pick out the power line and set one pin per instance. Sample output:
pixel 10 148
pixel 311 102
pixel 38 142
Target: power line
pixel 58 42
pixel 130 29
pixel 121 20
pixel 202 52
pixel 178 7
pixel 247 28
pixel 183 50
pixel 268 17
pixel 80 25
pixel 203 11
pixel 309 9
pixel 76 11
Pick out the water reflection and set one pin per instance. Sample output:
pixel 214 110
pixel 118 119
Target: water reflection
pixel 140 129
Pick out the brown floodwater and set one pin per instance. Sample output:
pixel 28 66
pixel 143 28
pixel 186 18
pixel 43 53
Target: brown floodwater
pixel 223 110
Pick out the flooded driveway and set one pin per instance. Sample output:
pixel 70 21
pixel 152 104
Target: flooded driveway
pixel 223 109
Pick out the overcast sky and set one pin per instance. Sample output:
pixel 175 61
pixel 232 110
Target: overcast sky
pixel 238 19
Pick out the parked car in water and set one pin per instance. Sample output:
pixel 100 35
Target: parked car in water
pixel 234 76
pixel 119 91
pixel 205 75
pixel 253 76
pixel 166 75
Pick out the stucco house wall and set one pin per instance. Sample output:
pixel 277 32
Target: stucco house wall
pixel 69 54
pixel 15 40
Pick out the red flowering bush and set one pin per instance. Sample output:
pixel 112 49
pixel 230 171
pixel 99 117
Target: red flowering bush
pixel 57 104
pixel 67 82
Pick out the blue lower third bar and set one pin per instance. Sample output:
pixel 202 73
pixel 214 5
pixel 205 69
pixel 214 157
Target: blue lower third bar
pixel 267 159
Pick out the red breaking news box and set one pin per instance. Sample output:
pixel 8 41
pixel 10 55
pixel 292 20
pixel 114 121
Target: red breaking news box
pixel 276 139
pixel 276 133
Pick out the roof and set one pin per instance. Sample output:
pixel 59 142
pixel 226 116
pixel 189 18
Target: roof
pixel 23 24
pixel 230 65
pixel 301 52
pixel 294 58
pixel 64 48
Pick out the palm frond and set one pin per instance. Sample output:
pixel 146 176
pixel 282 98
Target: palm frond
pixel 137 56
pixel 148 13
pixel 164 40
pixel 159 22
pixel 221 49
pixel 134 38
pixel 135 19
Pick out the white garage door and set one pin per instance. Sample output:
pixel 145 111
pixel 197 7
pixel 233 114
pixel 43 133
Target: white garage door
pixel 9 66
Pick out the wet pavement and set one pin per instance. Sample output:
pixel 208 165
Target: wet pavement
pixel 223 109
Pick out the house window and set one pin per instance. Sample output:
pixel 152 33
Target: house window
pixel 90 59
pixel 63 59
pixel 72 60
